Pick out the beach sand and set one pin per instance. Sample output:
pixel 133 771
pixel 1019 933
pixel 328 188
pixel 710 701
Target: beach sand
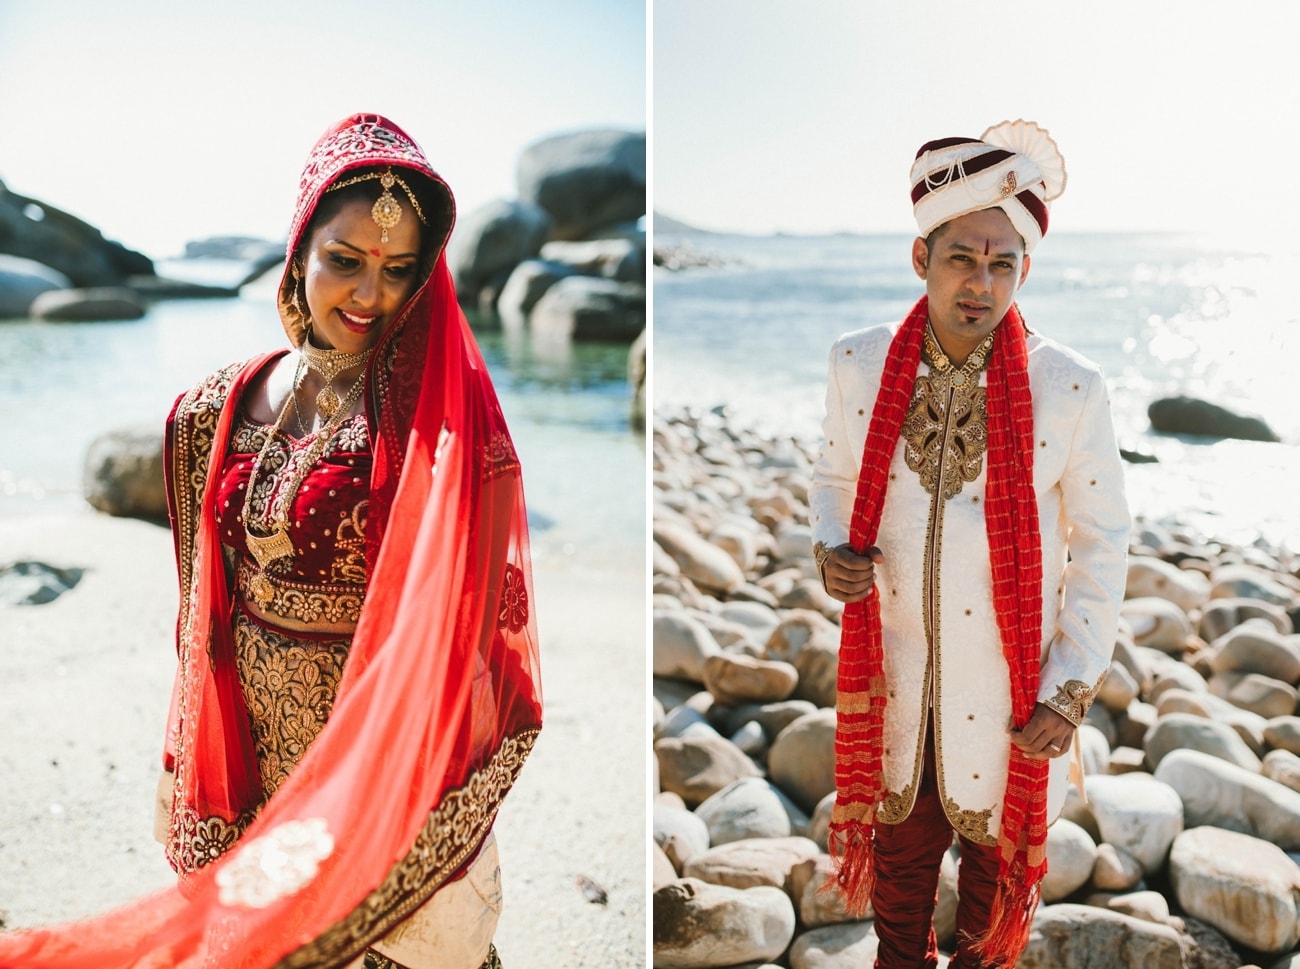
pixel 84 687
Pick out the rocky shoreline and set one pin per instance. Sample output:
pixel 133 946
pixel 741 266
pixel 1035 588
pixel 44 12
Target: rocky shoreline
pixel 1184 853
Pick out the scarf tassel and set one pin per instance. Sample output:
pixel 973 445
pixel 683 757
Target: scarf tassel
pixel 855 869
pixel 1010 921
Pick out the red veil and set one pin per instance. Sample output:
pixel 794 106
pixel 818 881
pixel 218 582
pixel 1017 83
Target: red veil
pixel 440 699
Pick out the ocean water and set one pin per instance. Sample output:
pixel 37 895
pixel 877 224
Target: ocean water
pixel 1161 314
pixel 62 384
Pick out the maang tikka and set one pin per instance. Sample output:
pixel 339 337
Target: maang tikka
pixel 386 212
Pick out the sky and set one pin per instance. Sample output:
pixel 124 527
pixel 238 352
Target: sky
pixel 805 117
pixel 160 121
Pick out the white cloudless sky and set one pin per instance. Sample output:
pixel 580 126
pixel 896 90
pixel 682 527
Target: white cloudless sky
pixel 805 117
pixel 161 121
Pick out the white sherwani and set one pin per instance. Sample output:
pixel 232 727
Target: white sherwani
pixel 941 643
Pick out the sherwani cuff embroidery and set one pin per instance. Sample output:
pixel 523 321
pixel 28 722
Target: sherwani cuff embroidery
pixel 1073 699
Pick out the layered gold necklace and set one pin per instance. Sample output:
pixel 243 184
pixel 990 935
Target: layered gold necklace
pixel 273 544
pixel 329 364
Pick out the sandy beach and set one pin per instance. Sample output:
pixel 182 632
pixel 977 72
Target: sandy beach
pixel 84 686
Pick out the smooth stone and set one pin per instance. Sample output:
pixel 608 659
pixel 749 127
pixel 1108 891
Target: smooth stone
pixel 491 240
pixel 622 259
pixel 1284 767
pixel 1261 695
pixel 758 618
pixel 671 692
pixel 123 474
pixel 662 871
pixel 1068 936
pixel 682 644
pixel 817 898
pixel 820 825
pixel 850 945
pixel 793 543
pixel 1157 623
pixel 1219 616
pixel 801 760
pixel 524 287
pixel 1205 947
pixel 1132 725
pixel 818 666
pixel 752 807
pixel 1126 760
pixel 754 861
pixel 1152 577
pixel 708 567
pixel 1178 700
pixel 35 583
pixel 1190 415
pixel 91 305
pixel 662 563
pixel 736 679
pixel 1248 582
pixel 1175 676
pixel 1215 792
pixel 1137 813
pixel 1149 906
pixel 1103 721
pixel 679 832
pixel 589 308
pixel 945 907
pixel 1115 870
pixel 585 179
pixel 797 630
pixel 1243 886
pixel 807 593
pixel 1283 733
pixel 738 542
pixel 1118 689
pixel 751 739
pixel 1256 647
pixel 772 717
pixel 1071 855
pixel 21 281
pixel 1183 731
pixel 696 924
pixel 699 767
pixel 684 721
pixel 1094 748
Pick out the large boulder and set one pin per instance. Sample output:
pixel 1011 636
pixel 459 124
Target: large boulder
pixel 753 861
pixel 697 767
pixel 36 230
pixel 525 286
pixel 801 760
pixel 1217 793
pixel 1137 814
pixel 21 281
pixel 123 474
pixel 87 305
pixel 698 924
pixel 1188 415
pixel 621 259
pixel 1083 937
pixel 1179 731
pixel 490 241
pixel 590 308
pixel 1243 886
pixel 585 179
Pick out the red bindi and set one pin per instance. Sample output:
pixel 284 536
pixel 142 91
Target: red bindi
pixel 986 248
pixel 376 252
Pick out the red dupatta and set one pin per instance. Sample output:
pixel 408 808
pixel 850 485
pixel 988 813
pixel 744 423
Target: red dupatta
pixel 440 698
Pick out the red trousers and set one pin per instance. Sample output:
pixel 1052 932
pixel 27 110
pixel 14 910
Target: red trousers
pixel 908 856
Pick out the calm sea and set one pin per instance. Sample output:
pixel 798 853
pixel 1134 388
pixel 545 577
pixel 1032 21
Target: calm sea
pixel 61 385
pixel 1161 314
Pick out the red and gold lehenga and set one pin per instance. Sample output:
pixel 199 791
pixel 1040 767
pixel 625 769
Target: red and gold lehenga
pixel 329 787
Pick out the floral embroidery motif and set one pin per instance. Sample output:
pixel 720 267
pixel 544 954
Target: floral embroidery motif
pixel 896 805
pixel 350 543
pixel 276 864
pixel 289 687
pixel 513 614
pixel 945 435
pixel 971 825
pixel 194 841
pixel 1073 700
pixel 499 456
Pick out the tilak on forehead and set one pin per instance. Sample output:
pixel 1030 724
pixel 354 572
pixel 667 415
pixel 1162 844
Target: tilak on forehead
pixel 1014 166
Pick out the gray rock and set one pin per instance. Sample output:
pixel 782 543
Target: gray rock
pixel 818 666
pixel 35 583
pixel 681 645
pixel 1084 937
pixel 708 567
pixel 123 474
pixel 697 924
pixel 796 630
pixel 1283 733
pixel 801 760
pixel 751 739
pixel 1183 731
pixel 1205 947
pixel 588 308
pixel 1071 855
pixel 817 898
pixel 755 616
pixel 749 808
pixel 772 717
pixel 586 179
pixel 1138 814
pixel 1243 886
pixel 87 305
pixel 1118 689
pixel 1256 647
pixel 754 861
pixel 1188 415
pixel 679 832
pixel 490 241
pixel 698 767
pixel 685 721
pixel 1157 578
pixel 1148 906
pixel 21 281
pixel 1259 694
pixel 1284 767
pixel 1249 582
pixel 819 826
pixel 1116 871
pixel 524 287
pixel 621 259
pixel 1221 615
pixel 1217 793
pixel 850 945
pixel 1157 623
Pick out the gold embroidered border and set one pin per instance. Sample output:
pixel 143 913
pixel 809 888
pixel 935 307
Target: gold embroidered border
pixel 303 607
pixel 1073 699
pixel 895 806
pixel 454 831
pixel 971 825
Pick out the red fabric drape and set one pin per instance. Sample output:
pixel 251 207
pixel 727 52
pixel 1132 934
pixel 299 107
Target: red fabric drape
pixel 440 699
pixel 1015 558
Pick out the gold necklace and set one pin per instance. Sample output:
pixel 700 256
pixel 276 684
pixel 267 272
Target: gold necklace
pixel 329 364
pixel 943 367
pixel 270 548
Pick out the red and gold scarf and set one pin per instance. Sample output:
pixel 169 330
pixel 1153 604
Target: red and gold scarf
pixel 1015 558
pixel 440 699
